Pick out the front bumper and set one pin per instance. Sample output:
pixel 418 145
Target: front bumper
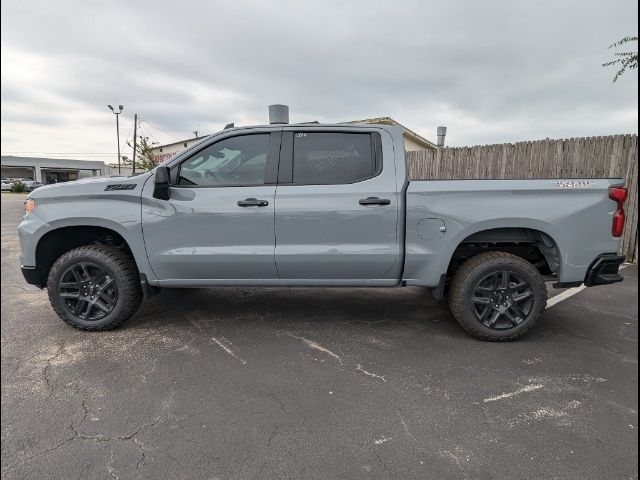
pixel 604 270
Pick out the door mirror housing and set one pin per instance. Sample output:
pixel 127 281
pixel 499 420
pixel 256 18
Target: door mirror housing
pixel 161 189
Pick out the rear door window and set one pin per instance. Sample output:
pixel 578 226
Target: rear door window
pixel 326 158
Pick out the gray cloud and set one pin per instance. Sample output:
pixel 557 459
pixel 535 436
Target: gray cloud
pixel 492 71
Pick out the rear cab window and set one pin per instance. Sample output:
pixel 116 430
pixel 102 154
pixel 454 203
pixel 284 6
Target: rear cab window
pixel 330 158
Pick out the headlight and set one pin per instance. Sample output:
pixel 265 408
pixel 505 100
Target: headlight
pixel 29 205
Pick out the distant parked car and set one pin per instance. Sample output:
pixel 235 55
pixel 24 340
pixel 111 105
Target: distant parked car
pixel 31 185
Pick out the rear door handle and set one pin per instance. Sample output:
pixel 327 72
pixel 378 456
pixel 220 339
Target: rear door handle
pixel 252 202
pixel 374 201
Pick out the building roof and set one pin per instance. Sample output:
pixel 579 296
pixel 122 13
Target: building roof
pixel 13 161
pixel 407 131
pixel 179 142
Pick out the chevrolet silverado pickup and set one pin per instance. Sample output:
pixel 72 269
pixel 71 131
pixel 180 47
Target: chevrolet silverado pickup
pixel 318 205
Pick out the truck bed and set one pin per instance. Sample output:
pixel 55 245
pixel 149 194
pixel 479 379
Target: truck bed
pixel 440 214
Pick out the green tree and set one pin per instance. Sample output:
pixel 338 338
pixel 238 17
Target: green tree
pixel 144 155
pixel 624 60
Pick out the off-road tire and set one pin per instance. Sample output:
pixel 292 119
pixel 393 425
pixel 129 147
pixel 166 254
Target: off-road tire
pixel 120 267
pixel 473 271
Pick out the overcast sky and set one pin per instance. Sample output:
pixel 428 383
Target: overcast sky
pixel 491 71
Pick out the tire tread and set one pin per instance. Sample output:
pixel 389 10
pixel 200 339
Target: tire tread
pixel 457 293
pixel 120 260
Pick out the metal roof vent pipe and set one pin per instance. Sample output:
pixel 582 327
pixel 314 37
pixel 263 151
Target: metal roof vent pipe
pixel 278 114
pixel 442 132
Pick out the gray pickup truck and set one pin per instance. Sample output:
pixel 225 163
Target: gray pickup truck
pixel 315 205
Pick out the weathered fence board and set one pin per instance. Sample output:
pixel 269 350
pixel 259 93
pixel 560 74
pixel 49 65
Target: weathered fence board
pixel 589 157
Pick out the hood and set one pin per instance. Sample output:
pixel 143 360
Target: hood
pixel 92 186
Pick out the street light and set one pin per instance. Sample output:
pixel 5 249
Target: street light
pixel 117 129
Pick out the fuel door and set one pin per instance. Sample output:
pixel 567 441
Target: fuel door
pixel 431 228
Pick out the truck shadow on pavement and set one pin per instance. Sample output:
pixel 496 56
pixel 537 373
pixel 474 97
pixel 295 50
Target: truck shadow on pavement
pixel 410 311
pixel 280 308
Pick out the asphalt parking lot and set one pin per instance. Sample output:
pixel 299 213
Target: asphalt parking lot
pixel 326 383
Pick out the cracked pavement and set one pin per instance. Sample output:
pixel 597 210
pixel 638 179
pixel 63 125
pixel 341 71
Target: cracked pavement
pixel 328 383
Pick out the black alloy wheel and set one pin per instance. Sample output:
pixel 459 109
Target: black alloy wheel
pixel 502 300
pixel 87 291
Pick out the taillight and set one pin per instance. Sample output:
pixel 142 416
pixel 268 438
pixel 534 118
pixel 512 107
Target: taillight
pixel 618 195
pixel 618 223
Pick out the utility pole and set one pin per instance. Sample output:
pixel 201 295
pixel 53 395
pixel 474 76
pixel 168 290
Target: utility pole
pixel 135 140
pixel 117 114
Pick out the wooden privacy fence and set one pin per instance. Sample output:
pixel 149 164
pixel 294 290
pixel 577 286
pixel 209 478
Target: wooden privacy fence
pixel 588 157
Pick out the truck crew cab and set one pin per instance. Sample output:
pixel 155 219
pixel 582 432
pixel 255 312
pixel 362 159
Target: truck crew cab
pixel 313 205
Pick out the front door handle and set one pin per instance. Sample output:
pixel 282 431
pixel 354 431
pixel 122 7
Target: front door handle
pixel 252 202
pixel 374 201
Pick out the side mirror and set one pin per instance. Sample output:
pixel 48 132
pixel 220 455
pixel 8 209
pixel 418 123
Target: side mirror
pixel 161 189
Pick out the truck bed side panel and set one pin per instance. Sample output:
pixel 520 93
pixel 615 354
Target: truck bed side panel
pixel 576 214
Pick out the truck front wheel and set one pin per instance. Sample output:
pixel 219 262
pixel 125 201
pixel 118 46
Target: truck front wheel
pixel 497 296
pixel 94 287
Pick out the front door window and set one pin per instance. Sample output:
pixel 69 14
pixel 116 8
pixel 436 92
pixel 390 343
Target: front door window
pixel 236 161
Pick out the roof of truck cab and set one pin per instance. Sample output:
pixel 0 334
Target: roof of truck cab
pixel 365 123
pixel 381 122
pixel 320 126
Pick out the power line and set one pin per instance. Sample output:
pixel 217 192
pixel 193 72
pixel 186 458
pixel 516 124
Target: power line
pixel 148 131
pixel 163 131
pixel 141 123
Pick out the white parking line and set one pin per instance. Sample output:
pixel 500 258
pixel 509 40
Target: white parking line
pixel 571 292
pixel 564 295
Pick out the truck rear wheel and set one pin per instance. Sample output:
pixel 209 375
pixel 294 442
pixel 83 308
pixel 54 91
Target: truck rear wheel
pixel 94 287
pixel 497 296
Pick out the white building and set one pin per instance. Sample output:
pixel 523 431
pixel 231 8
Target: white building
pixel 165 152
pixel 412 140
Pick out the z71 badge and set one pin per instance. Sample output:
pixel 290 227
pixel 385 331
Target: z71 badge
pixel 574 184
pixel 120 186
